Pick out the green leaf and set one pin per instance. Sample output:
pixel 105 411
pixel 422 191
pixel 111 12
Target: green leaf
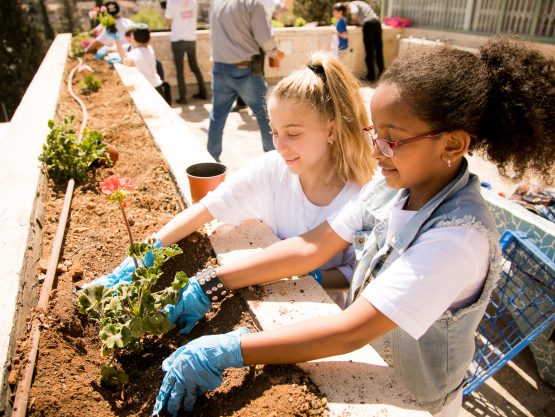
pixel 115 335
pixel 112 377
pixel 156 323
pixel 137 327
pixel 92 299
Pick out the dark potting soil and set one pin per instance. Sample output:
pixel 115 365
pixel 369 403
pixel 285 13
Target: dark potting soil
pixel 68 365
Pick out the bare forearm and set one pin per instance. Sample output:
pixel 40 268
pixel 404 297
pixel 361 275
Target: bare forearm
pixel 316 338
pixel 280 260
pixel 184 224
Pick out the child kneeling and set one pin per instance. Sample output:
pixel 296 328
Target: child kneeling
pixel 142 56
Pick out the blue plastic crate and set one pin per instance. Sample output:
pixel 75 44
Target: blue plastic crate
pixel 522 306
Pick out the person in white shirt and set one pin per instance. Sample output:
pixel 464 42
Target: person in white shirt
pixel 108 37
pixel 181 15
pixel 142 56
pixel 427 246
pixel 321 160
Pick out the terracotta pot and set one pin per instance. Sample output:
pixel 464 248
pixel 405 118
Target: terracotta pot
pixel 113 152
pixel 204 177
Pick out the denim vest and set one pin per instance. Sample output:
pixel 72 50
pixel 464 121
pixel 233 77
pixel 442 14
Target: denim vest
pixel 433 367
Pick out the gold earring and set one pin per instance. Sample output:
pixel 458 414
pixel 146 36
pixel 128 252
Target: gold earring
pixel 449 162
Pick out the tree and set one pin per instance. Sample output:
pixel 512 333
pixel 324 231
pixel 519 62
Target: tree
pixel 314 10
pixel 22 48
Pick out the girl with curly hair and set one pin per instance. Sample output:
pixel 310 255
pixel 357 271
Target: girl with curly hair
pixel 426 243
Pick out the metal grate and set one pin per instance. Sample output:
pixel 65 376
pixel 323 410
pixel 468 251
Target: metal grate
pixel 522 307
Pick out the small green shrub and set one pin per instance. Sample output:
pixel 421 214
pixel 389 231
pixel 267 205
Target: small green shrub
pixel 64 157
pixel 90 84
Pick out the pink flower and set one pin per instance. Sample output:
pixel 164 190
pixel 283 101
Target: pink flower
pixel 116 188
pixel 86 42
pixel 93 12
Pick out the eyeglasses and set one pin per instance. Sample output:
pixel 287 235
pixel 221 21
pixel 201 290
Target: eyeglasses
pixel 386 146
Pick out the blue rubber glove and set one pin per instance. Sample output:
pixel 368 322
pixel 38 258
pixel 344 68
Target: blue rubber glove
pixel 113 35
pixel 193 304
pixel 123 271
pixel 196 368
pixel 114 59
pixel 101 53
pixel 317 275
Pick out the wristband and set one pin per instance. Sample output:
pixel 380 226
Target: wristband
pixel 317 275
pixel 212 285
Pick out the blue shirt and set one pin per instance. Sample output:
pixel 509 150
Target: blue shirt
pixel 341 27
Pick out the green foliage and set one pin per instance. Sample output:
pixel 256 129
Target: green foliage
pixel 299 21
pixel 129 312
pixel 314 10
pixel 90 84
pixel 152 18
pixel 288 19
pixel 64 157
pixel 23 45
pixel 76 49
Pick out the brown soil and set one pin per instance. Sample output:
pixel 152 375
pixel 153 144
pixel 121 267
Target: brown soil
pixel 68 365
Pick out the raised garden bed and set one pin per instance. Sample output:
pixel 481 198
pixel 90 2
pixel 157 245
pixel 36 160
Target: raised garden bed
pixel 68 365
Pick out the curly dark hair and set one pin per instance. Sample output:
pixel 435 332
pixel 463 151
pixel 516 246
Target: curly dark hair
pixel 504 96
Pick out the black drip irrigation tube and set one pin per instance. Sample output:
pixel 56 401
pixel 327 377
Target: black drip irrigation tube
pixel 24 386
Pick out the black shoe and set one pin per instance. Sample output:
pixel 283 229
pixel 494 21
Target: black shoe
pixel 200 96
pixel 181 100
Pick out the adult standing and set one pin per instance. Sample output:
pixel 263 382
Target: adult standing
pixel 363 15
pixel 181 16
pixel 239 29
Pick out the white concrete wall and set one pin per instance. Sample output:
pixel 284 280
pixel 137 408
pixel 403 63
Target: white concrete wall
pixel 20 206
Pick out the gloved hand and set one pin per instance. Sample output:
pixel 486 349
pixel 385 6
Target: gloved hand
pixel 114 59
pixel 193 304
pixel 101 53
pixel 113 35
pixel 196 368
pixel 123 271
pixel 317 275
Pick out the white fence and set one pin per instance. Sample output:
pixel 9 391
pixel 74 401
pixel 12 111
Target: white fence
pixel 534 18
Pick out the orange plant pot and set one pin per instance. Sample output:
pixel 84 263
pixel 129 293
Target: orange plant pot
pixel 204 177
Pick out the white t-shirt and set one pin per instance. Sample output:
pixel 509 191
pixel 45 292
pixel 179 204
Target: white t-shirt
pixel 184 19
pixel 444 269
pixel 265 189
pixel 145 61
pixel 122 24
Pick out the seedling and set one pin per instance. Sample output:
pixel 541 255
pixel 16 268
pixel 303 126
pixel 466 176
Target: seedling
pixel 106 19
pixel 90 84
pixel 131 311
pixel 65 157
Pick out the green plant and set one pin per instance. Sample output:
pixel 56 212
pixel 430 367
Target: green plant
pixel 64 156
pixel 77 48
pixel 152 18
pixel 106 19
pixel 90 84
pixel 131 311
